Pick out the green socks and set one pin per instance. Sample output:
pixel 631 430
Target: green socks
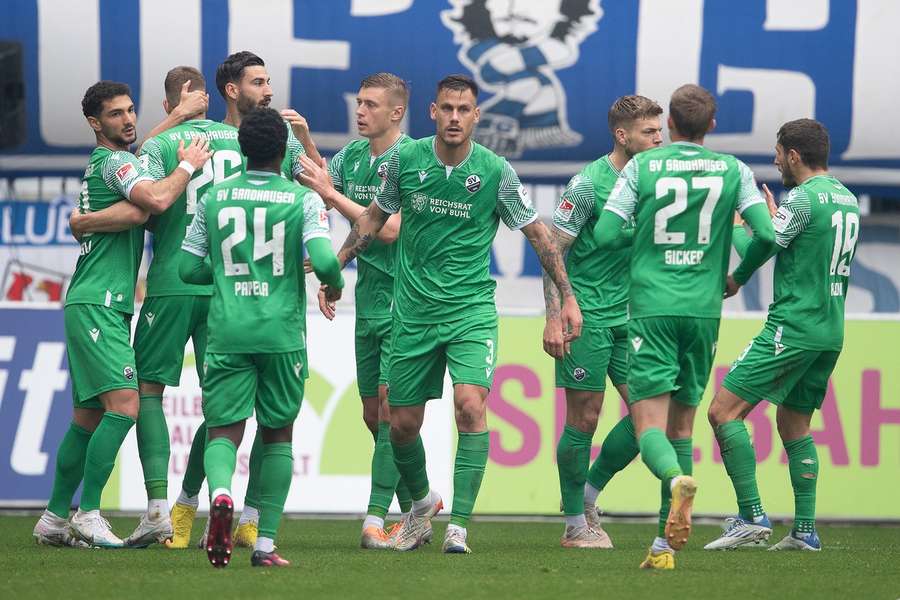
pixel 153 446
pixel 740 463
pixel 274 484
pixel 684 450
pixel 254 472
pixel 100 456
pixel 573 456
pixel 410 461
pixel 69 469
pixel 385 476
pixel 194 473
pixel 659 455
pixel 803 464
pixel 468 471
pixel 618 450
pixel 219 461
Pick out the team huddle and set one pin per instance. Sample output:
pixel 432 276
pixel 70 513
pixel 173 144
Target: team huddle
pixel 635 273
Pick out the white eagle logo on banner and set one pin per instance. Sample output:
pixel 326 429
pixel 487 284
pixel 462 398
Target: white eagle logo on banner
pixel 513 49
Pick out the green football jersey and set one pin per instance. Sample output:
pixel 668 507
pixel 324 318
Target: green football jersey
pixel 159 155
pixel 358 175
pixel 450 218
pixel 253 227
pixel 683 199
pixel 818 227
pixel 107 267
pixel 290 166
pixel 599 278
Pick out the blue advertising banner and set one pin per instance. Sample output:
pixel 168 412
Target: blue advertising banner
pixel 549 68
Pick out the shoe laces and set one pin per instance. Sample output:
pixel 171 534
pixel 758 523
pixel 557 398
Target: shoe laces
pixel 732 523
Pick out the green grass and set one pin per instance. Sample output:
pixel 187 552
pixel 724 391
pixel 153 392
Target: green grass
pixel 511 559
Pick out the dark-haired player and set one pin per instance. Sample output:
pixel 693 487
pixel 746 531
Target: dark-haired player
pixel 790 361
pixel 682 198
pixel 98 310
pixel 253 228
pixel 453 194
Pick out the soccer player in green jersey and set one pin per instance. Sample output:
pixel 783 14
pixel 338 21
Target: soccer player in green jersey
pixel 682 198
pixel 357 171
pixel 790 361
pixel 98 310
pixel 600 281
pixel 453 193
pixel 253 228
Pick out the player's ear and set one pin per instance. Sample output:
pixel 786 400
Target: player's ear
pixel 477 114
pixel 166 106
pixel 397 113
pixel 231 90
pixel 434 111
pixel 94 122
pixel 670 123
pixel 712 125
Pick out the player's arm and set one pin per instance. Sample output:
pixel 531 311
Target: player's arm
pixel 156 196
pixel 321 177
pixel 192 264
pixel 121 216
pixel 301 131
pixel 611 232
pixel 191 105
pixel 554 344
pixel 755 212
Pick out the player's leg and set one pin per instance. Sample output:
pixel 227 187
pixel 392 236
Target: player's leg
pixel 53 527
pixel 416 374
pixel 247 530
pixel 281 385
pixel 679 431
pixel 229 391
pixel 793 418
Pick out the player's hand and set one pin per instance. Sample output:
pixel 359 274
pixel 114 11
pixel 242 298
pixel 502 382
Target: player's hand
pixel 326 306
pixel 731 287
pixel 332 294
pixel 316 177
pixel 770 200
pixel 553 338
pixel 307 266
pixel 191 104
pixel 298 124
pixel 75 221
pixel 570 320
pixel 196 153
pixel 738 219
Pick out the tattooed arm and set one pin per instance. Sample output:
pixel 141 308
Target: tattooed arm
pixel 551 260
pixel 364 231
pixel 553 337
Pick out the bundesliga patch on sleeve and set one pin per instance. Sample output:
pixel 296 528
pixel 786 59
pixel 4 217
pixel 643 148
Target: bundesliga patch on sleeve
pixel 125 172
pixel 782 219
pixel 323 217
pixel 523 196
pixel 565 208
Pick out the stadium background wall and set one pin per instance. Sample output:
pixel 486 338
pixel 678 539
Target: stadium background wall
pixel 858 430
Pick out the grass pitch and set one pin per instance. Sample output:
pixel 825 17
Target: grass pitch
pixel 510 560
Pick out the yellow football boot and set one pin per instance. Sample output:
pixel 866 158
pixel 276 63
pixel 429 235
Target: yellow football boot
pixel 664 559
pixel 245 534
pixel 182 516
pixel 678 524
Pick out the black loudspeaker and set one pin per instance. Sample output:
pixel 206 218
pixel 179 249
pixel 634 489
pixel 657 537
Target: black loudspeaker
pixel 12 95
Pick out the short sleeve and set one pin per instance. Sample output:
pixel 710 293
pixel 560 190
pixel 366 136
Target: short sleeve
pixel 294 150
pixel 624 195
pixel 792 217
pixel 315 217
pixel 122 171
pixel 388 197
pixel 336 168
pixel 151 159
pixel 513 204
pixel 197 241
pixel 576 205
pixel 748 192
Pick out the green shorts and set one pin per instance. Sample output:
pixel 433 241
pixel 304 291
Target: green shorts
pixel 598 352
pixel 670 354
pixel 163 328
pixel 422 352
pixel 794 377
pixel 237 383
pixel 98 347
pixel 373 354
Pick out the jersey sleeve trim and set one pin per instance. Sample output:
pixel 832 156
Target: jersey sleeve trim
pixel 316 234
pixel 575 206
pixel 792 217
pixel 624 195
pixel 748 192
pixel 617 211
pixel 513 204
pixel 388 197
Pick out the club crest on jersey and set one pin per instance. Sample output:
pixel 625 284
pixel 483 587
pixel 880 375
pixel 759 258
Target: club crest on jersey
pixel 578 373
pixel 125 172
pixel 636 342
pixel 473 183
pixel 382 170
pixel 513 49
pixel 128 372
pixel 418 202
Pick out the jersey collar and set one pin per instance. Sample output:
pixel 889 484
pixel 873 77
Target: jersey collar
pixel 684 143
pixel 449 169
pixel 612 167
pixel 256 173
